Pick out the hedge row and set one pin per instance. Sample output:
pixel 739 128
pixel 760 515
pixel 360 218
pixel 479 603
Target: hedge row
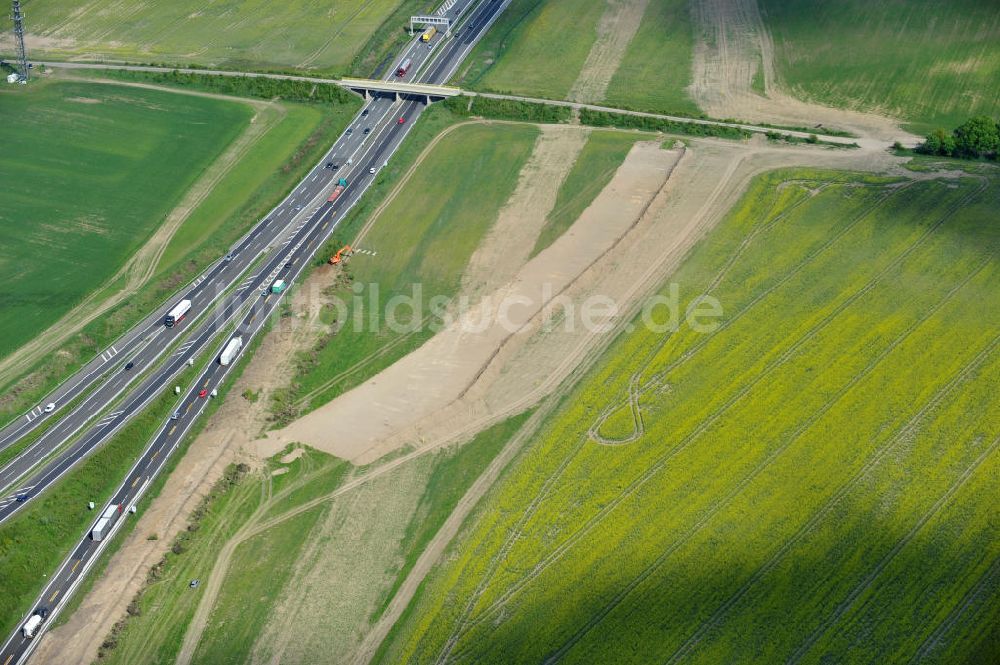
pixel 242 86
pixel 507 109
pixel 653 124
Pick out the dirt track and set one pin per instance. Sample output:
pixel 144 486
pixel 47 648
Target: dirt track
pixel 229 431
pixel 732 44
pixel 393 409
pixel 615 31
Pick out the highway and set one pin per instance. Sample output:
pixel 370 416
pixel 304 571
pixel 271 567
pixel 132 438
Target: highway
pixel 145 343
pixel 246 309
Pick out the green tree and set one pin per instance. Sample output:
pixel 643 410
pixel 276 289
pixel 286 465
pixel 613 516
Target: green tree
pixel 939 142
pixel 978 137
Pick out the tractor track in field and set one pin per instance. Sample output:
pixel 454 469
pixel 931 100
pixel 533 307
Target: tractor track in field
pixel 744 482
pixel 866 583
pixel 658 377
pixel 821 514
pixel 635 390
pixel 543 493
pixel 660 463
pixel 214 585
pixel 989 580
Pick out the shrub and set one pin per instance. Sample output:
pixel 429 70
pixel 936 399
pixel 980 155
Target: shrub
pixel 976 138
pixel 507 109
pixel 654 124
pixel 245 86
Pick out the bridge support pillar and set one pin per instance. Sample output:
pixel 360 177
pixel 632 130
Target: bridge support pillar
pixel 397 96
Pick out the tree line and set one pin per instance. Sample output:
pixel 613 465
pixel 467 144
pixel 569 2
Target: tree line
pixel 976 138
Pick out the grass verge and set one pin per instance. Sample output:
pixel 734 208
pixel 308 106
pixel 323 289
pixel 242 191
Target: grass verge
pixel 244 196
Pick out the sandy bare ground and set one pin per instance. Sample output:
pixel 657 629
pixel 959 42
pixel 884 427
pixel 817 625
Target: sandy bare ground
pixel 702 186
pixel 223 441
pixel 668 215
pixel 497 260
pixel 384 411
pixel 733 43
pixel 615 31
pixel 138 270
pixel 342 570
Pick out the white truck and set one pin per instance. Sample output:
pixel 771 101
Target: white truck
pixel 104 523
pixel 232 348
pixel 30 627
pixel 177 313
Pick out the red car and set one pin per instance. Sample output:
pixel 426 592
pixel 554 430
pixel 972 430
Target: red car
pixel 401 121
pixel 203 393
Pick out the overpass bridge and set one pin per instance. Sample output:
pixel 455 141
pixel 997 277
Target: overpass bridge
pixel 399 89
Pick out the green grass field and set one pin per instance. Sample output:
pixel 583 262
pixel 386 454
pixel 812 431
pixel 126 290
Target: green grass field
pixel 596 164
pixel 425 237
pixel 251 174
pixel 812 481
pixel 306 34
pixel 934 64
pixel 538 48
pixel 91 170
pixel 296 135
pixel 656 70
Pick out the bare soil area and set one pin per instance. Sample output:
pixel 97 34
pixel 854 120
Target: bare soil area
pixel 225 440
pixel 732 45
pixel 342 570
pixel 497 260
pixel 615 31
pixel 386 412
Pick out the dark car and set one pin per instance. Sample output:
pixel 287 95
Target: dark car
pixel 364 114
pixel 368 130
pixel 21 498
pixel 350 130
pixel 129 365
pixel 288 265
pixel 330 166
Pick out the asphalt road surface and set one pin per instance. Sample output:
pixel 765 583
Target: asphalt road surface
pixel 106 378
pixel 294 240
